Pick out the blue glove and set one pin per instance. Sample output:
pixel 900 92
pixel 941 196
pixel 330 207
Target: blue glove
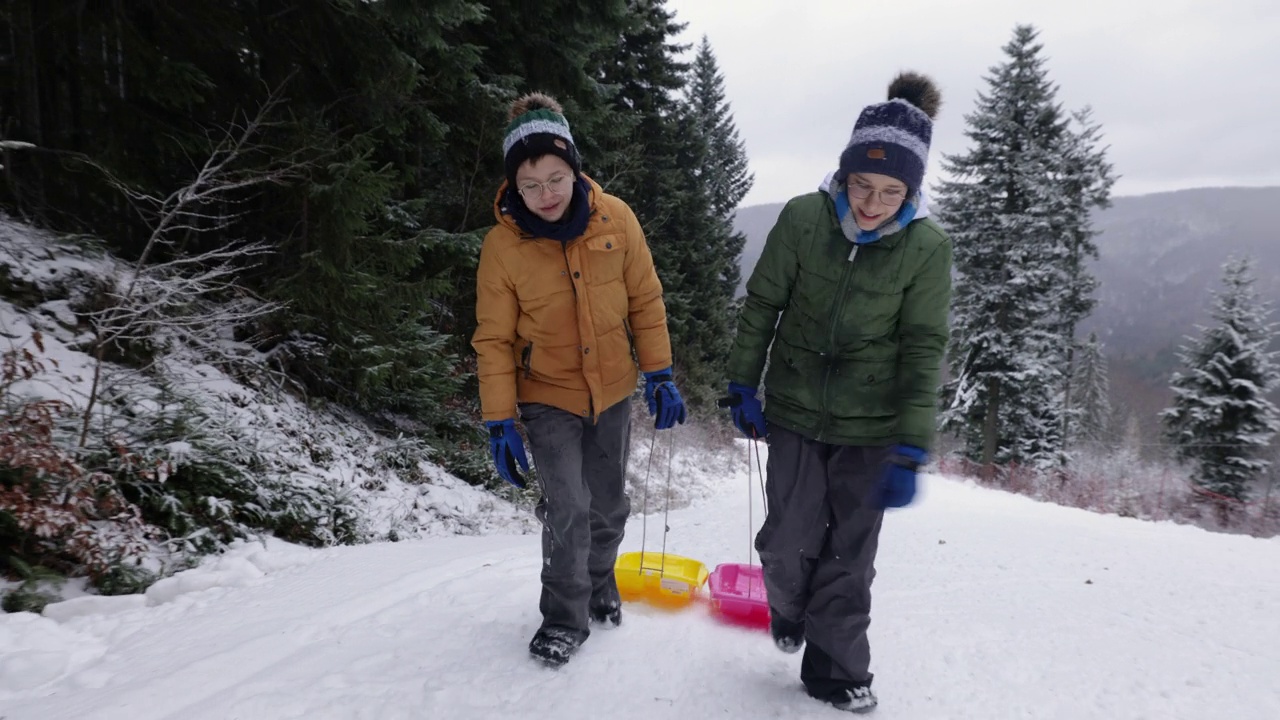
pixel 507 449
pixel 748 416
pixel 665 403
pixel 898 486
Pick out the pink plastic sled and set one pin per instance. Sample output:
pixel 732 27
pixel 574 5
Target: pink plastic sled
pixel 737 595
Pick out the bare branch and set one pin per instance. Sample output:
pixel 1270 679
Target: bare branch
pixel 175 299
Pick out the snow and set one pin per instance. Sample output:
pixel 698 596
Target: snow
pixel 987 605
pixel 74 370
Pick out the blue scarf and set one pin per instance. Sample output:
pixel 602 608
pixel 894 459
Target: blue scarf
pixel 572 225
pixel 849 224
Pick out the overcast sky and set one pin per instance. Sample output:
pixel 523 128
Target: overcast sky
pixel 1187 92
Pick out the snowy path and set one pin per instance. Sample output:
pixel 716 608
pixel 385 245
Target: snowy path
pixel 987 606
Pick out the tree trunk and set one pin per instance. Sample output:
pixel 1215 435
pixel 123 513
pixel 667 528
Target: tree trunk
pixel 991 429
pixel 1066 389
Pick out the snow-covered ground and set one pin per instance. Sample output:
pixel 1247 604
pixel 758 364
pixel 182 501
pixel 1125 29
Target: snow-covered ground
pixel 388 486
pixel 987 605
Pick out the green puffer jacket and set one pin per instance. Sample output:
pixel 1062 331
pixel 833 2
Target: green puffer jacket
pixel 855 358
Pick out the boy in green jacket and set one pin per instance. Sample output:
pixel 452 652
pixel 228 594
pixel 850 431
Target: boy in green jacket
pixel 849 302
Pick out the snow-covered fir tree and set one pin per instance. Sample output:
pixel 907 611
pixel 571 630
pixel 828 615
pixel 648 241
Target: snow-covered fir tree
pixel 1087 180
pixel 683 189
pixel 722 178
pixel 727 176
pixel 1093 419
pixel 1014 208
pixel 1222 421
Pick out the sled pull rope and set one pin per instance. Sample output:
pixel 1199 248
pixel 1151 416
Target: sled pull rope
pixel 751 523
pixel 666 511
pixel 764 501
pixel 644 513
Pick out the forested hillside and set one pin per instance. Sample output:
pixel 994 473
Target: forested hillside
pixel 295 194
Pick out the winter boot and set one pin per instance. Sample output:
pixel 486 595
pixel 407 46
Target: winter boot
pixel 607 614
pixel 553 646
pixel 857 699
pixel 787 635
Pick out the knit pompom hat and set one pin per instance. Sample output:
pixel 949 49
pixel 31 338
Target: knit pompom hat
pixel 537 128
pixel 892 138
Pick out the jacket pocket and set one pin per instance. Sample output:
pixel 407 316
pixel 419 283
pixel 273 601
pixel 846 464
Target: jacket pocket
pixel 605 257
pixel 794 376
pixel 863 389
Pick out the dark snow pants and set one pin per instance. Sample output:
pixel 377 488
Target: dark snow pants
pixel 583 509
pixel 818 548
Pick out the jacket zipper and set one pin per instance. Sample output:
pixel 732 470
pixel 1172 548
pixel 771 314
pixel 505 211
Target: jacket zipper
pixel 564 247
pixel 836 311
pixel 526 357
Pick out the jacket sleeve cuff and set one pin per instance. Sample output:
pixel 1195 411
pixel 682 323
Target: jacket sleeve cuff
pixel 915 427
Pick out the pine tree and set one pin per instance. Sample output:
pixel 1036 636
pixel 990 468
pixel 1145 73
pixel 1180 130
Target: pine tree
pixel 665 180
pixel 1094 419
pixel 1005 209
pixel 644 77
pixel 1087 181
pixel 722 178
pixel 365 260
pixel 726 174
pixel 1222 421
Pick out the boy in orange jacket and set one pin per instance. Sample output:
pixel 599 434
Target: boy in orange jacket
pixel 569 312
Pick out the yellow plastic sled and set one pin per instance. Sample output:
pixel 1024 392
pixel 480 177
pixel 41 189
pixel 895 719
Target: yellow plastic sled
pixel 658 578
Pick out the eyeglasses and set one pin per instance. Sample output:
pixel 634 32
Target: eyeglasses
pixel 891 197
pixel 533 190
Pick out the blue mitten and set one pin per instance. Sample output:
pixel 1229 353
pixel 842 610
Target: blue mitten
pixel 665 403
pixel 508 450
pixel 898 486
pixel 747 413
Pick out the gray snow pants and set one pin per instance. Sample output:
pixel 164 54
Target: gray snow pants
pixel 818 548
pixel 583 509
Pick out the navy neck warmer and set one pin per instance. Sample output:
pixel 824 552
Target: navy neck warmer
pixel 572 225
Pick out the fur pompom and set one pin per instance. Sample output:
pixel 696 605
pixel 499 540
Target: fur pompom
pixel 918 90
pixel 533 101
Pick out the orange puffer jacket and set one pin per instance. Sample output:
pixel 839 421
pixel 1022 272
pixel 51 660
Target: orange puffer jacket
pixel 565 324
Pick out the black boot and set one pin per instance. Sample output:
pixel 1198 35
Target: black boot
pixel 857 699
pixel 607 614
pixel 788 635
pixel 553 646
